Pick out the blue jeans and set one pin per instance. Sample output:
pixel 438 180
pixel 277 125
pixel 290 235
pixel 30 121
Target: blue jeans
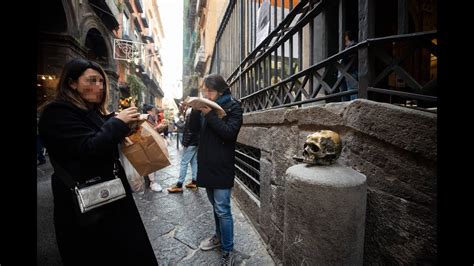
pixel 220 200
pixel 189 156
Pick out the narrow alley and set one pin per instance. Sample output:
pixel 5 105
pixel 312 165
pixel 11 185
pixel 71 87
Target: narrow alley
pixel 176 223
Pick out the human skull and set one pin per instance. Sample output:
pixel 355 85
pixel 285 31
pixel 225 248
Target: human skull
pixel 323 147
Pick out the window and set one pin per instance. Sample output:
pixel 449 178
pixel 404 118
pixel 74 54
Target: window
pixel 125 25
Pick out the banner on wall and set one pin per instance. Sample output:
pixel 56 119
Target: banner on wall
pixel 263 22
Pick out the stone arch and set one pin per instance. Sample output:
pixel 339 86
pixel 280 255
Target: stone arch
pixel 95 36
pixel 91 28
pixel 71 17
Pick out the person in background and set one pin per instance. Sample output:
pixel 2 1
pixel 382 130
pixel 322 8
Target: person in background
pixel 190 142
pixel 350 84
pixel 180 124
pixel 150 180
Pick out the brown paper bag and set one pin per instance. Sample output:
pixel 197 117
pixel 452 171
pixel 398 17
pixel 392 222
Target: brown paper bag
pixel 147 150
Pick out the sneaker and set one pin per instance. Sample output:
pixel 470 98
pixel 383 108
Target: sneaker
pixel 191 185
pixel 211 243
pixel 227 258
pixel 156 187
pixel 175 189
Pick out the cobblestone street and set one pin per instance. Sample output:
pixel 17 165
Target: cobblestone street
pixel 176 223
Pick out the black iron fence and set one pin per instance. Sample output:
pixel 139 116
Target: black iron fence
pixel 247 167
pixel 282 69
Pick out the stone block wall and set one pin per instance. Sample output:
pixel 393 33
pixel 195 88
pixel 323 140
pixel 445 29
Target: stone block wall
pixel 394 147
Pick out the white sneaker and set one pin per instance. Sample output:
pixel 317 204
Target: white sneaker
pixel 156 187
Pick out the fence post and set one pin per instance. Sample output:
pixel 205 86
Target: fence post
pixel 366 31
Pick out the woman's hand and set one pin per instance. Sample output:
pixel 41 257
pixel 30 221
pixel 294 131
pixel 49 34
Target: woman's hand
pixel 205 109
pixel 129 115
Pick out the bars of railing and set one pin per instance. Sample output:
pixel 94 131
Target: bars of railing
pixel 280 70
pixel 247 167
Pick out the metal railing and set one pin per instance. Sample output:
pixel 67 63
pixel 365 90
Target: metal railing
pixel 281 71
pixel 247 167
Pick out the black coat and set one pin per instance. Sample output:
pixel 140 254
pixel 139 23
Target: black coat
pixel 112 234
pixel 216 152
pixel 191 138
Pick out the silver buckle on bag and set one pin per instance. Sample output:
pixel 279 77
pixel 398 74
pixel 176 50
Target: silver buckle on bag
pixel 104 193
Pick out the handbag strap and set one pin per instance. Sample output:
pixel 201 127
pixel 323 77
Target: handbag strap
pixel 67 178
pixel 63 174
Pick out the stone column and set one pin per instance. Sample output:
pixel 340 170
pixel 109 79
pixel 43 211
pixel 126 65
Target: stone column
pixel 114 93
pixel 324 215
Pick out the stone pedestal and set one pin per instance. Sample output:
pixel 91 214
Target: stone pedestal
pixel 324 215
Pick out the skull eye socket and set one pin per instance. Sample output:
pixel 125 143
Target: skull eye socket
pixel 312 147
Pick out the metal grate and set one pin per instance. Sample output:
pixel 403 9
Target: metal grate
pixel 247 167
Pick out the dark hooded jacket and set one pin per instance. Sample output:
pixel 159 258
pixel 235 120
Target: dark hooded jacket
pixel 217 138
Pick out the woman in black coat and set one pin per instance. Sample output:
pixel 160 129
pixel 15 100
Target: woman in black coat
pixel 216 158
pixel 82 138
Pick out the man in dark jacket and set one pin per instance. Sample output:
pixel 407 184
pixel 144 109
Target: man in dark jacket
pixel 350 84
pixel 216 160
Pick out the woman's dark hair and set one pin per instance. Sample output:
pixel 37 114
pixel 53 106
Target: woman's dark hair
pixel 71 72
pixel 216 82
pixel 147 107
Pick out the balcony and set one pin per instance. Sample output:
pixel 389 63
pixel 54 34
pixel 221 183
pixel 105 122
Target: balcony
pixel 200 60
pixel 139 6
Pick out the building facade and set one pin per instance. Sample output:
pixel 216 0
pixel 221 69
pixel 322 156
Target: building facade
pixel 191 42
pixel 87 29
pixel 204 17
pixel 141 23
